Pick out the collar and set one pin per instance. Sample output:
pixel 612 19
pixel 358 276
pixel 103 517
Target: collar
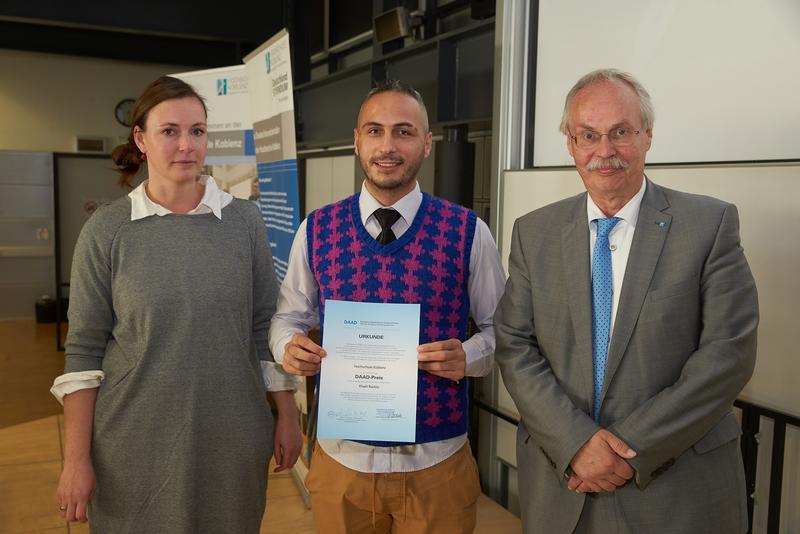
pixel 407 206
pixel 629 212
pixel 213 201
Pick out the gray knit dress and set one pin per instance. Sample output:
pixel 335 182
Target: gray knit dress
pixel 175 310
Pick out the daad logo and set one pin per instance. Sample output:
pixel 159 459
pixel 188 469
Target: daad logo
pixel 269 62
pixel 348 321
pixel 222 87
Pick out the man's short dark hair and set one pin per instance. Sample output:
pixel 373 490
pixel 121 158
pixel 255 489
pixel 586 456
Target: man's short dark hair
pixel 396 86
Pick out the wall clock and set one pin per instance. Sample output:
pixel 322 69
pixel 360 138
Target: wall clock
pixel 123 111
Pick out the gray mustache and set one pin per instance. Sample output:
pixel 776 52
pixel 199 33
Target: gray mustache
pixel 607 163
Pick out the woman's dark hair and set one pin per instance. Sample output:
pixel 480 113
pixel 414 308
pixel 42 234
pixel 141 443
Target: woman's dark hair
pixel 127 156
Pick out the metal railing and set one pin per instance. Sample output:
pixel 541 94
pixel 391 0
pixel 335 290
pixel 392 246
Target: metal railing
pixel 751 425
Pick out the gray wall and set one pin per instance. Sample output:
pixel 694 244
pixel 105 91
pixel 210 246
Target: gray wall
pixel 26 232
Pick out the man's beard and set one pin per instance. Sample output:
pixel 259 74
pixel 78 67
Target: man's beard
pixel 410 173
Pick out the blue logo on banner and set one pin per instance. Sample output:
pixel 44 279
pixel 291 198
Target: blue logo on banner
pixel 222 87
pixel 269 63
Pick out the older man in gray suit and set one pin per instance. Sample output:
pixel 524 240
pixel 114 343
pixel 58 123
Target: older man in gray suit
pixel 627 329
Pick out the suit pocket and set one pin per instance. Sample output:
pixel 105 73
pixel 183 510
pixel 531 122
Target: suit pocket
pixel 674 290
pixel 725 431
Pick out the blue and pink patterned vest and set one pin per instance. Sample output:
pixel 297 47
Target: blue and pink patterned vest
pixel 427 265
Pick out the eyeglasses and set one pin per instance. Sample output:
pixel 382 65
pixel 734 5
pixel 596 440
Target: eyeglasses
pixel 618 137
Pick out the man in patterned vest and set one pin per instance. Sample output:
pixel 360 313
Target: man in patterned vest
pixel 392 243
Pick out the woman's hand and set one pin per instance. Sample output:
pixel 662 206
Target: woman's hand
pixel 288 440
pixel 77 482
pixel 75 489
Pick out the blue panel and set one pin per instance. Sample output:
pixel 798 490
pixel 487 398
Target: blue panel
pixel 249 143
pixel 279 200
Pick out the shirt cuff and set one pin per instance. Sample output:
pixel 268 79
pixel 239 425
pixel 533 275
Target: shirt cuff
pixel 480 356
pixel 276 379
pixel 72 382
pixel 278 348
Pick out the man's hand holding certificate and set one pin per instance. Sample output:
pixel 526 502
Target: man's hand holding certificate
pixel 368 382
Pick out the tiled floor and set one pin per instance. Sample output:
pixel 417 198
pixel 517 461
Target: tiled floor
pixel 31 455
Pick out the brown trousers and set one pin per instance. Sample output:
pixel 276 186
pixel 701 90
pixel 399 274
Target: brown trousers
pixel 440 499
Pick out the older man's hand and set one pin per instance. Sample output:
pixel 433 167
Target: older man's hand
pixel 601 464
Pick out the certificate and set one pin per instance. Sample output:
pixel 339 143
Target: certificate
pixel 368 380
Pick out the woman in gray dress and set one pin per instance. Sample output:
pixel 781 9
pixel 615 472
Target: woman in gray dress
pixel 167 424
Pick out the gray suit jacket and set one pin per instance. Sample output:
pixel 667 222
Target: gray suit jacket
pixel 682 349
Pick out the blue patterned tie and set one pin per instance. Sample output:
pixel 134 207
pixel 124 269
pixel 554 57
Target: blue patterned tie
pixel 602 298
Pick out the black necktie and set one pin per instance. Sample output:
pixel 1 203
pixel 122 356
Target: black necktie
pixel 386 217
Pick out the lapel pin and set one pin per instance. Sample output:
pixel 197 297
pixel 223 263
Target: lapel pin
pixel 661 224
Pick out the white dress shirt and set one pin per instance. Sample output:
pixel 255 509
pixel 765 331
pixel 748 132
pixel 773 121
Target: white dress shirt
pixel 298 312
pixel 142 206
pixel 619 240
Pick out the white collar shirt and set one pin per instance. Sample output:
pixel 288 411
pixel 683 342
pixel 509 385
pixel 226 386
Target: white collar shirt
pixel 408 206
pixel 619 239
pixel 214 199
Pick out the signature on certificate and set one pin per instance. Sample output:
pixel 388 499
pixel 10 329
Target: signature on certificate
pixel 388 413
pixel 347 413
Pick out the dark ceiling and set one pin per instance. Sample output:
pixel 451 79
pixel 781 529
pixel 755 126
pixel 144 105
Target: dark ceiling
pixel 175 32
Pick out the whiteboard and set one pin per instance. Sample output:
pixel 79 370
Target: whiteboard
pixel 767 197
pixel 724 76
